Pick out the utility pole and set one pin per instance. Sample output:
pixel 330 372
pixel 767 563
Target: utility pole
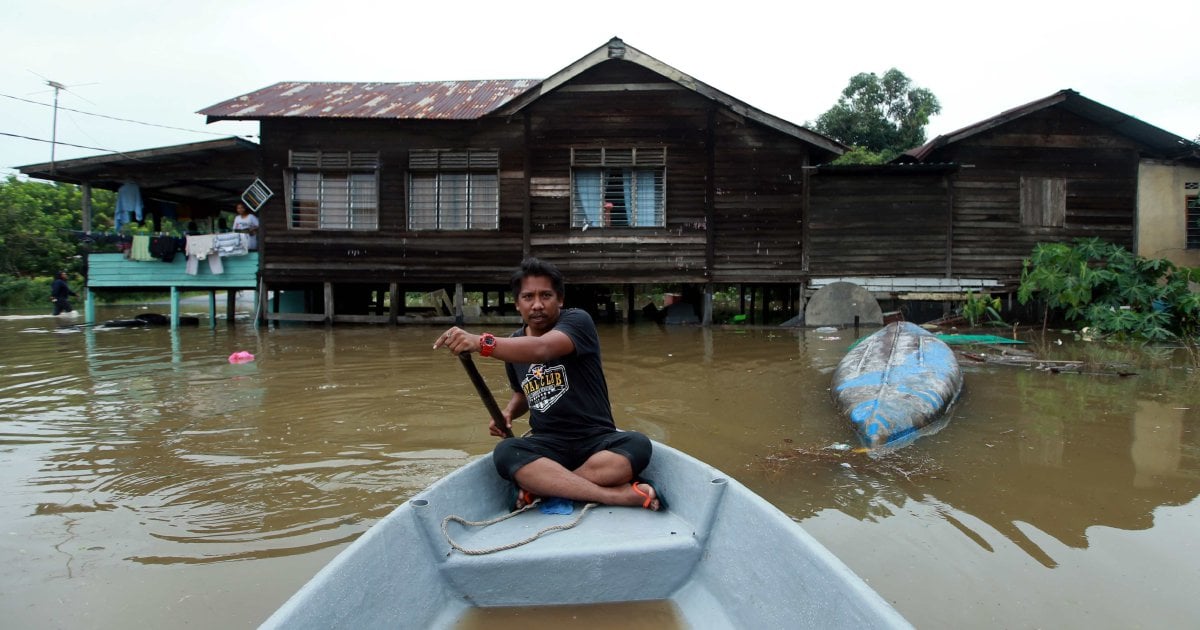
pixel 54 125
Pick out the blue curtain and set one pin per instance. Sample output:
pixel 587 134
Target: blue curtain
pixel 647 200
pixel 588 195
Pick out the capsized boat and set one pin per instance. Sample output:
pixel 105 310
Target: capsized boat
pixel 720 555
pixel 895 382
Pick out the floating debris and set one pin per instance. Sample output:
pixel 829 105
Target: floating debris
pixel 896 463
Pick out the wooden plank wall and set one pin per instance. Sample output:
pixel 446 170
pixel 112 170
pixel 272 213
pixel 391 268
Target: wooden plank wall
pixel 393 253
pixel 759 189
pixel 620 105
pixel 882 222
pixel 1100 169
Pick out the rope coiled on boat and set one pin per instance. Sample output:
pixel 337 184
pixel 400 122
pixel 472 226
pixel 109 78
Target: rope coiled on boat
pixel 513 545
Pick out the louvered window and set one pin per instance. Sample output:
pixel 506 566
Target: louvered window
pixel 618 187
pixel 333 190
pixel 453 189
pixel 1193 216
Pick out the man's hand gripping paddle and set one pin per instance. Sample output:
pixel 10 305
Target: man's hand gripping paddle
pixel 485 394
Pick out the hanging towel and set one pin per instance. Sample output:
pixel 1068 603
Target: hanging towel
pixel 231 244
pixel 140 250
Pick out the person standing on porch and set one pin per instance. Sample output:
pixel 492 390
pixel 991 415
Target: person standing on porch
pixel 246 223
pixel 60 294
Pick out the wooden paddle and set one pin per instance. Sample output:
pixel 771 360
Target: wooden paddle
pixel 485 394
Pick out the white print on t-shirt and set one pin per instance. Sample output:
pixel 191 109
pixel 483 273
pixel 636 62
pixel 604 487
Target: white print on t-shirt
pixel 543 386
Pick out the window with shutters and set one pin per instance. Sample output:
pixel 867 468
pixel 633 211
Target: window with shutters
pixel 454 189
pixel 1043 202
pixel 618 187
pixel 1193 214
pixel 333 190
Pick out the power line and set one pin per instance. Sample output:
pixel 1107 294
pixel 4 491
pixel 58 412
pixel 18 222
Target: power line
pixel 128 120
pixel 66 144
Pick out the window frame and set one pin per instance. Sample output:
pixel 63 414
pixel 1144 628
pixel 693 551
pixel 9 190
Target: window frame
pixel 620 174
pixel 465 188
pixel 322 210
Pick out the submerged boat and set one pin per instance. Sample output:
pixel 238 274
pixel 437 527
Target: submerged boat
pixel 896 382
pixel 720 556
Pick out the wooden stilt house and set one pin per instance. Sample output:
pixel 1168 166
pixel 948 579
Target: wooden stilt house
pixel 619 168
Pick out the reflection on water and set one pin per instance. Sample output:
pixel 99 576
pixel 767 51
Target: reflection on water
pixel 150 479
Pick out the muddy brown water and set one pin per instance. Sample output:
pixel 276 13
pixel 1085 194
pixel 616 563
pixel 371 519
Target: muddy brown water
pixel 150 482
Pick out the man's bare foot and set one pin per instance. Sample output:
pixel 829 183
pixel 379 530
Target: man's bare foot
pixel 648 498
pixel 524 498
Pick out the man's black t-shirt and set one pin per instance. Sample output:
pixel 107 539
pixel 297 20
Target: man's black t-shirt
pixel 568 396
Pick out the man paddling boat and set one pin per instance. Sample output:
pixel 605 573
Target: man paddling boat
pixel 553 364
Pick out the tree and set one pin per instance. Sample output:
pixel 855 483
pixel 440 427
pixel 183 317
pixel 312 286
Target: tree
pixel 884 116
pixel 37 224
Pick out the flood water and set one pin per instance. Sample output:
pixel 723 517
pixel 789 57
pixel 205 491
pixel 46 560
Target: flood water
pixel 149 482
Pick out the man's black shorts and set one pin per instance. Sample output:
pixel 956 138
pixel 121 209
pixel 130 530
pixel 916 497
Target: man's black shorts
pixel 513 453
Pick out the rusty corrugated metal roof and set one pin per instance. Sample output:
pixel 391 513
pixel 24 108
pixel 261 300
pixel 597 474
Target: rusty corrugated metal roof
pixel 446 100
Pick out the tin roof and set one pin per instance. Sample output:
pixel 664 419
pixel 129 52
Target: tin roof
pixel 445 100
pixel 212 171
pixel 469 100
pixel 1162 143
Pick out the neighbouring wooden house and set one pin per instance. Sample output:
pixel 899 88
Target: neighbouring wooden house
pixel 179 184
pixel 619 168
pixel 1053 170
pixel 194 181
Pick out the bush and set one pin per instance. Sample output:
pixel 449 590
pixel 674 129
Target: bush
pixel 25 292
pixel 978 309
pixel 1113 291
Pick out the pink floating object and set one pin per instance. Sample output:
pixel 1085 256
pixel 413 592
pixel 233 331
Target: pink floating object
pixel 241 356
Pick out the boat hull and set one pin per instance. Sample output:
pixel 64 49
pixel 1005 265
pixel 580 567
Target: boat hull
pixel 896 382
pixel 721 555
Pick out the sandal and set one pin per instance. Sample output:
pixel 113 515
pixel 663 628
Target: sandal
pixel 525 498
pixel 662 503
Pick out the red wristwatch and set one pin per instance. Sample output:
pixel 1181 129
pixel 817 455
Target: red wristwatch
pixel 487 343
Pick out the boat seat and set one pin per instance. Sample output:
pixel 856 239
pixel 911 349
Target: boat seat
pixel 656 550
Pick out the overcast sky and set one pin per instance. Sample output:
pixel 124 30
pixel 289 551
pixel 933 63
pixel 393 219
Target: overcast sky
pixel 159 61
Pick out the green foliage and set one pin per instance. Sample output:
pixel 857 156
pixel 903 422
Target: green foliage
pixel 861 155
pixel 978 309
pixel 26 292
pixel 39 225
pixel 884 116
pixel 1113 291
pixel 36 224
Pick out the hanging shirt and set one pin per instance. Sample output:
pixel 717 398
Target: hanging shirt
pixel 199 245
pixel 129 205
